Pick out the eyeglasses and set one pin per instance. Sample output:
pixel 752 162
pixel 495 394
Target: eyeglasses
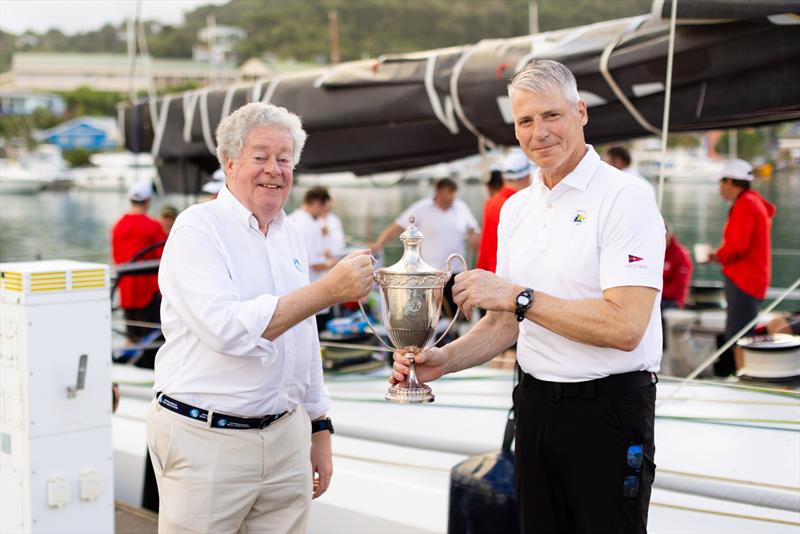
pixel 630 486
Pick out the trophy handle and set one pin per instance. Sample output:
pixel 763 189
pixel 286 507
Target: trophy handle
pixel 450 258
pixel 372 328
pixel 366 317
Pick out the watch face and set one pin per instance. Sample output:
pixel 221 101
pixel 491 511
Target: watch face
pixel 523 300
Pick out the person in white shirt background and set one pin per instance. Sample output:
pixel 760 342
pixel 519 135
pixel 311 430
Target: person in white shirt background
pixel 447 224
pixel 332 230
pixel 239 379
pixel 620 158
pixel 579 274
pixel 324 250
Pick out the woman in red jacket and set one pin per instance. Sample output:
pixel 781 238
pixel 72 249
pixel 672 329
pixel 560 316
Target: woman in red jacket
pixel 745 252
pixel 677 273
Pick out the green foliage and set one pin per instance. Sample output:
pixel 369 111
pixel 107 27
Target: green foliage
pixel 16 127
pixel 751 142
pixel 683 140
pixel 87 101
pixel 367 28
pixel 43 118
pixel 6 49
pixel 77 157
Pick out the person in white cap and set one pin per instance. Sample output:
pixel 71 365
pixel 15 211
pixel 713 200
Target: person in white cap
pixel 132 233
pixel 745 252
pixel 213 186
pixel 517 170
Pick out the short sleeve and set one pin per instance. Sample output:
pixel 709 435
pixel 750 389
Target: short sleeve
pixel 632 241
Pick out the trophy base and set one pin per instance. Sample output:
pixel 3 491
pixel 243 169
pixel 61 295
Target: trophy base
pixel 405 395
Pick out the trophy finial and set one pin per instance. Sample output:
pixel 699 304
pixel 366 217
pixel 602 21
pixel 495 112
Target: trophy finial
pixel 412 219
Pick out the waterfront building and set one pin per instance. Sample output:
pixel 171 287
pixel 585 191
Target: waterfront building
pixel 92 133
pixel 26 102
pixel 107 72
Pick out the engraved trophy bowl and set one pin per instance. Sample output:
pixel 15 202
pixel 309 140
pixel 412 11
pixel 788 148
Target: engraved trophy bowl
pixel 411 294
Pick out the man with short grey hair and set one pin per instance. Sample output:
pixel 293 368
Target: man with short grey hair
pixel 237 431
pixel 579 273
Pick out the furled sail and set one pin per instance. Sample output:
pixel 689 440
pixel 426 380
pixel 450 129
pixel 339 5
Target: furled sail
pixel 736 63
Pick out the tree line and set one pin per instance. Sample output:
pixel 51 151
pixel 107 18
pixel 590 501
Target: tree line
pixel 299 29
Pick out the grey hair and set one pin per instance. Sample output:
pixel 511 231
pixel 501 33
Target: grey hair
pixel 541 75
pixel 233 130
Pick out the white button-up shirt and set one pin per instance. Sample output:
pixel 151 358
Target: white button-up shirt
pixel 598 228
pixel 445 231
pixel 221 280
pixel 311 231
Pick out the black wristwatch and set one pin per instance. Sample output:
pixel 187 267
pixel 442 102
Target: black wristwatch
pixel 322 424
pixel 524 301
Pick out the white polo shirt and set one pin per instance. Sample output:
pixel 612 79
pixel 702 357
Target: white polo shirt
pixel 445 231
pixel 596 229
pixel 650 187
pixel 221 281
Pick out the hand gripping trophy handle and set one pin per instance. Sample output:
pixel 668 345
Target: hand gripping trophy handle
pixel 415 392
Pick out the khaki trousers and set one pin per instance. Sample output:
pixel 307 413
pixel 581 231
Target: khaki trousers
pixel 219 481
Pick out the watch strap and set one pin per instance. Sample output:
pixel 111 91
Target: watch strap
pixel 520 311
pixel 322 424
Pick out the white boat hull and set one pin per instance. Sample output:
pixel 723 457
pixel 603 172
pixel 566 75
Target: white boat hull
pixel 386 455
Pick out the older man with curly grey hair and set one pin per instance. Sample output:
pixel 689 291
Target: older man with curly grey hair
pixel 237 431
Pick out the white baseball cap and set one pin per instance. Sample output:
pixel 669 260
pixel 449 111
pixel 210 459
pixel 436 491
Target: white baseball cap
pixel 737 169
pixel 213 187
pixel 516 165
pixel 140 191
pixel 218 175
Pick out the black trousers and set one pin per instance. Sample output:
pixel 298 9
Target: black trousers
pixel 742 308
pixel 571 457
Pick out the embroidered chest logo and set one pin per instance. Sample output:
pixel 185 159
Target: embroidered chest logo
pixel 298 265
pixel 579 217
pixel 633 259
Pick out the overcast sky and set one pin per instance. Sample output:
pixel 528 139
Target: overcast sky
pixel 74 16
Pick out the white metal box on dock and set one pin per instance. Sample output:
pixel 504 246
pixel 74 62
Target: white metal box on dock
pixel 55 406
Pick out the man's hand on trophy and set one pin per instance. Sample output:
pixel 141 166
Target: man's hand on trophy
pixel 479 288
pixel 429 365
pixel 351 278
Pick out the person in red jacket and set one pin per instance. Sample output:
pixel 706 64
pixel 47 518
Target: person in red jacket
pixel 745 252
pixel 133 232
pixel 677 273
pixel 517 175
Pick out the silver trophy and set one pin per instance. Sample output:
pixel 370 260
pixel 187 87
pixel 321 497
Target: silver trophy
pixel 411 301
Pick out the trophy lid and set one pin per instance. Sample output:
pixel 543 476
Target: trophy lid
pixel 411 262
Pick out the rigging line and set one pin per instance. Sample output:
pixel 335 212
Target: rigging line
pixel 273 84
pixel 131 42
pixel 189 104
pixel 159 127
pixel 667 100
pixel 390 462
pixel 445 115
pixel 725 514
pixel 152 94
pixel 205 123
pixel 456 99
pixel 616 89
pixel 711 420
pixel 728 344
pixel 757 389
pixel 793 489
